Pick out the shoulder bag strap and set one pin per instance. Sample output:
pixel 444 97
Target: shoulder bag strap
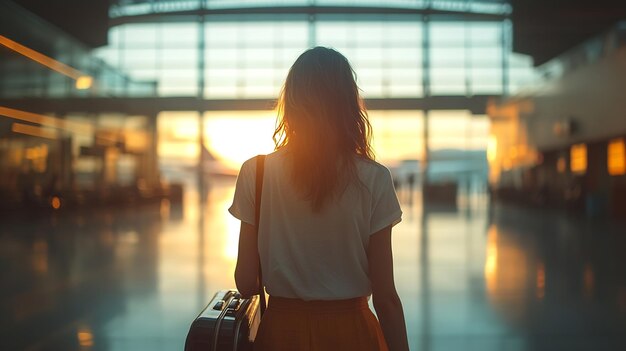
pixel 260 167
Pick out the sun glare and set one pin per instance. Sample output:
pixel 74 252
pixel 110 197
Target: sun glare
pixel 232 137
pixel 237 136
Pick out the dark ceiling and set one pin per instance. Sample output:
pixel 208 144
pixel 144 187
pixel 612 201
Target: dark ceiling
pixel 85 20
pixel 545 29
pixel 542 29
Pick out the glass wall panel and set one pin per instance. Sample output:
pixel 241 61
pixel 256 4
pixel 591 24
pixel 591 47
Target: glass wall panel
pixel 484 33
pixel 235 136
pixel 141 34
pixel 247 57
pixel 458 130
pixel 183 34
pixel 448 34
pixel 397 135
pixel 250 59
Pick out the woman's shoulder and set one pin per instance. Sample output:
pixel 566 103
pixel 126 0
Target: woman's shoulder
pixel 372 173
pixel 249 165
pixel 277 153
pixel 372 167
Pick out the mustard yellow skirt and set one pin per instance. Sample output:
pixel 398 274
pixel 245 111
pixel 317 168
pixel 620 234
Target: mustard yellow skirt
pixel 292 324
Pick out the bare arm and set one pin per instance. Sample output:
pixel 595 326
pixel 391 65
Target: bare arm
pixel 386 301
pixel 247 268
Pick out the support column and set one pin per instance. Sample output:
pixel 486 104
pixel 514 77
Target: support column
pixel 425 297
pixel 312 40
pixel 506 49
pixel 201 83
pixel 426 93
pixel 152 167
pixel 426 145
pixel 201 186
pixel 424 245
pixel 312 31
pixel 467 48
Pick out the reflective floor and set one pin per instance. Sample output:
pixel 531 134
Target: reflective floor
pixel 471 278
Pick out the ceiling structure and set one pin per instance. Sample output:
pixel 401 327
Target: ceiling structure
pixel 542 29
pixel 85 20
pixel 545 29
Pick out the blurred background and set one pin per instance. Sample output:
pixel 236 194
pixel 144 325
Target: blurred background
pixel 123 125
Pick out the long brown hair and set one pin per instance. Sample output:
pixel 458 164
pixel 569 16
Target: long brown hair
pixel 323 124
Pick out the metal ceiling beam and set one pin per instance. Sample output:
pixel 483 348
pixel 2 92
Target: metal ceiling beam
pixel 275 13
pixel 152 105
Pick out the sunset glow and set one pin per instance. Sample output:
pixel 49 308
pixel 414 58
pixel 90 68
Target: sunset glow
pixel 235 136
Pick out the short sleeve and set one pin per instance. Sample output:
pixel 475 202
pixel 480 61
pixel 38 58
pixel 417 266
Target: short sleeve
pixel 243 200
pixel 385 206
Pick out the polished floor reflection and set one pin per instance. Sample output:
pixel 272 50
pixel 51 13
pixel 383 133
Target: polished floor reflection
pixel 476 277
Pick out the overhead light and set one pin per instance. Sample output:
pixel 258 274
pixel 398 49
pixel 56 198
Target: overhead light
pixel 48 121
pixel 34 131
pixel 83 81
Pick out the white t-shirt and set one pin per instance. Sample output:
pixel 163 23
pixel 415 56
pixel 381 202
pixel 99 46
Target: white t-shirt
pixel 316 256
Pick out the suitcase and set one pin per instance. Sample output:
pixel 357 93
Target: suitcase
pixel 229 322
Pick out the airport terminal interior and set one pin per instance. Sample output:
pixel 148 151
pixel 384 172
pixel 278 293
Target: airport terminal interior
pixel 123 125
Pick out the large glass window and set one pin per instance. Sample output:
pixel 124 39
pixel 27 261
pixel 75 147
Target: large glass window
pixel 248 57
pixel 394 56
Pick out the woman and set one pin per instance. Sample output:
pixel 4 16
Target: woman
pixel 324 236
